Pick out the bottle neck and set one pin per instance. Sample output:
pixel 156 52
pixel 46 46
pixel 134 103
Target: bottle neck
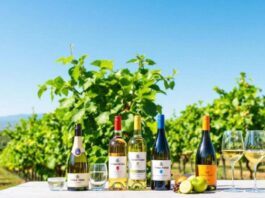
pixel 161 132
pixel 137 133
pixel 206 135
pixel 78 148
pixel 117 133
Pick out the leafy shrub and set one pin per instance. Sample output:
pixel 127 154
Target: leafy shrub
pixel 92 97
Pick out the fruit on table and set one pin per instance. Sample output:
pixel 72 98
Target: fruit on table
pixel 199 184
pixel 181 179
pixel 185 187
pixel 191 177
pixel 192 184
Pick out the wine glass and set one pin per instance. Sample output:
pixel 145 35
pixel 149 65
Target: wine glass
pixel 98 176
pixel 232 151
pixel 255 151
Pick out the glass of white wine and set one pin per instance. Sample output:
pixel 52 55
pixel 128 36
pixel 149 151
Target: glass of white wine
pixel 255 152
pixel 232 151
pixel 98 176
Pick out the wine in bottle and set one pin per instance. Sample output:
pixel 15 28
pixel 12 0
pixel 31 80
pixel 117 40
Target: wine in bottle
pixel 77 171
pixel 206 165
pixel 161 163
pixel 137 158
pixel 117 159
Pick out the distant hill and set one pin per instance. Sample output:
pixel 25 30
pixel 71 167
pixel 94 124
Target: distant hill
pixel 12 119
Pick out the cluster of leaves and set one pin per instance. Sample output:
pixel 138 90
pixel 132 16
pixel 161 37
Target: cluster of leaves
pixel 92 97
pixel 242 108
pixel 37 147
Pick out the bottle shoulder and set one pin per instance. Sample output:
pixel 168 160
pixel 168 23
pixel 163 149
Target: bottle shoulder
pixel 117 141
pixel 136 140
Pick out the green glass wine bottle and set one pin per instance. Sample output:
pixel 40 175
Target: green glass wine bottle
pixel 206 165
pixel 77 171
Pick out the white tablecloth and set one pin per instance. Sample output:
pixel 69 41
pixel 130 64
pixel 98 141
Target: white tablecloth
pixel 41 190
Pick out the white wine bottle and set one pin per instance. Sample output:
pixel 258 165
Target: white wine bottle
pixel 137 158
pixel 117 159
pixel 206 164
pixel 77 171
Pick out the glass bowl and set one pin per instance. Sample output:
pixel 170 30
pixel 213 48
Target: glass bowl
pixel 56 183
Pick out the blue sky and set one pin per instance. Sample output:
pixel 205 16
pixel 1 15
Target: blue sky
pixel 208 42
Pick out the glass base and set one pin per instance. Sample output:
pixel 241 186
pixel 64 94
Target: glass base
pixel 233 190
pixel 255 190
pixel 97 189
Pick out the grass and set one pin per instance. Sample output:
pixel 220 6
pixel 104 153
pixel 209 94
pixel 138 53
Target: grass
pixel 8 179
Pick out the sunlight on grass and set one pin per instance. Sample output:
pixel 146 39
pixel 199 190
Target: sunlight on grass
pixel 8 179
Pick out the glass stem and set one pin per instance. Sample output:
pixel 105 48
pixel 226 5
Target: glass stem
pixel 255 180
pixel 232 168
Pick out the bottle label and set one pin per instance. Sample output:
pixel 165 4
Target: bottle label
pixel 77 146
pixel 117 167
pixel 137 165
pixel 209 172
pixel 77 179
pixel 161 170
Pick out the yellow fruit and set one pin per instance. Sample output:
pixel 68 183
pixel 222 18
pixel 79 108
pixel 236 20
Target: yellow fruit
pixel 180 179
pixel 185 187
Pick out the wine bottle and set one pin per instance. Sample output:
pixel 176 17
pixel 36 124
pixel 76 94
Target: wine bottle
pixel 117 159
pixel 161 164
pixel 137 158
pixel 206 165
pixel 77 172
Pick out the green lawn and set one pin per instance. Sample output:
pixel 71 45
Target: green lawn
pixel 8 179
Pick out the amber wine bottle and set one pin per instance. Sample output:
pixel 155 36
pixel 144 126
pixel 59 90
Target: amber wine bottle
pixel 161 163
pixel 206 165
pixel 117 159
pixel 137 158
pixel 77 171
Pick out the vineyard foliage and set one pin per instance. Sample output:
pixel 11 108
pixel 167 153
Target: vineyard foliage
pixel 93 94
pixel 242 108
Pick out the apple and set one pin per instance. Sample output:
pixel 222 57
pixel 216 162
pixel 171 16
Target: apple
pixel 191 177
pixel 199 184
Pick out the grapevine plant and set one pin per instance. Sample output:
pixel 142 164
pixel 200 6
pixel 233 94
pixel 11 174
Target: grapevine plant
pixel 91 95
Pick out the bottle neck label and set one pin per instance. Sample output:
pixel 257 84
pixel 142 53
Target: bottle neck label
pixel 161 170
pixel 137 165
pixel 118 133
pixel 78 148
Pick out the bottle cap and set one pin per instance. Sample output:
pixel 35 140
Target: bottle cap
pixel 206 123
pixel 160 121
pixel 78 130
pixel 137 122
pixel 117 123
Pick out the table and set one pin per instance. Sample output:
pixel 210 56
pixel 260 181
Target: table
pixel 41 190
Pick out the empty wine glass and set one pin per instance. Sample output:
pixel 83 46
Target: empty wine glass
pixel 98 176
pixel 232 151
pixel 255 152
